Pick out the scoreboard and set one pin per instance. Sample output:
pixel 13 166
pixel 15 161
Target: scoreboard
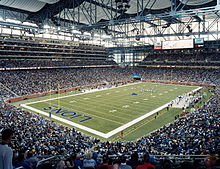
pixel 178 44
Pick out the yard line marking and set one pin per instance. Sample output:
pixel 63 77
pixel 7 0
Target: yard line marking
pixel 111 133
pixel 145 99
pixel 107 93
pixel 125 106
pixel 136 102
pixel 87 110
pixel 67 121
pixel 160 93
pixel 153 96
pixel 165 91
pixel 107 119
pixel 86 98
pixel 73 101
pixel 112 111
pixel 80 94
pixel 98 95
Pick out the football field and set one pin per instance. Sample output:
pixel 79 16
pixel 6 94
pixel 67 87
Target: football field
pixel 109 111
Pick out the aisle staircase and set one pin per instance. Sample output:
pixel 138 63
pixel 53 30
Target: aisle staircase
pixel 3 87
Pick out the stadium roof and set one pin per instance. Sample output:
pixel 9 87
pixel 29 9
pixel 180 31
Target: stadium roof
pixel 36 9
pixel 104 17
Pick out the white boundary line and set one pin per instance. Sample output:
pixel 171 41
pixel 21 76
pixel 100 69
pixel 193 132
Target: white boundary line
pixel 66 121
pixel 104 135
pixel 81 93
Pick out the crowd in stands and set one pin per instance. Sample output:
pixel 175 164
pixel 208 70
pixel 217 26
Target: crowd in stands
pixel 14 63
pixel 196 133
pixel 48 48
pixel 184 56
pixel 33 81
pixel 184 59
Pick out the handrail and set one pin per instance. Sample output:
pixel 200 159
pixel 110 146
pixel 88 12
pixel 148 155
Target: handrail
pixel 46 159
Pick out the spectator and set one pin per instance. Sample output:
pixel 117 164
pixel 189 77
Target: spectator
pixel 88 162
pixel 146 163
pixel 21 161
pixel 191 133
pixel 210 161
pixel 6 153
pixel 78 163
pixel 123 164
pixel 104 163
pixel 134 162
pixel 61 165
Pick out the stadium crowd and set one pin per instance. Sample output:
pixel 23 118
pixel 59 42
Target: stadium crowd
pixel 14 63
pixel 183 56
pixel 25 82
pixel 48 48
pixel 196 133
pixel 180 58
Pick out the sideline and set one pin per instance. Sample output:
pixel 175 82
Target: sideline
pixel 92 91
pixel 104 135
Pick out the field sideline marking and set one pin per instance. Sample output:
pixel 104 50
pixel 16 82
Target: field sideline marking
pixel 80 93
pixel 111 133
pixel 66 121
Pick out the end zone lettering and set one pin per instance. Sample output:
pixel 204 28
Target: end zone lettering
pixel 66 113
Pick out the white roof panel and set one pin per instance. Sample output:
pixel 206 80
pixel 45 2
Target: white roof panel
pixel 49 1
pixel 27 5
pixel 84 13
pixel 195 2
pixel 149 4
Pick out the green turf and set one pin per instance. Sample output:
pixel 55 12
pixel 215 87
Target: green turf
pixel 114 107
pixel 164 117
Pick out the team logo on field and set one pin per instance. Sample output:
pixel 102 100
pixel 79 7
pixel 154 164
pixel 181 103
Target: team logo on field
pixel 66 113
